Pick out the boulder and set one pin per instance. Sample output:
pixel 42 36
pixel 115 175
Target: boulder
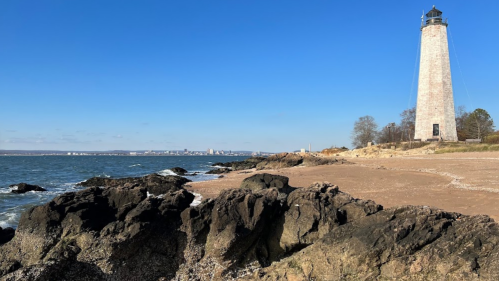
pixel 24 187
pixel 228 233
pixel 153 183
pixel 263 181
pixel 179 171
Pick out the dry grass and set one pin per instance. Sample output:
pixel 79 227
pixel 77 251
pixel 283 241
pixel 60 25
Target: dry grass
pixel 333 151
pixel 463 147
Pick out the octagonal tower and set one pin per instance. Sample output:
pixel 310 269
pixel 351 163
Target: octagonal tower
pixel 435 115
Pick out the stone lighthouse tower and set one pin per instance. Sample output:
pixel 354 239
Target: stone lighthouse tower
pixel 435 115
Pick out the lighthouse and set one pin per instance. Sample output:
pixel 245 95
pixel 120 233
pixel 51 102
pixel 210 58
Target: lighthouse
pixel 435 115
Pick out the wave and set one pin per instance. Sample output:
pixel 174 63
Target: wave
pixel 5 190
pixel 135 165
pixel 166 172
pixel 9 219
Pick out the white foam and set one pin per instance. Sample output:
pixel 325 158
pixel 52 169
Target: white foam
pixel 167 172
pixel 134 165
pixel 220 167
pixel 197 199
pixel 9 219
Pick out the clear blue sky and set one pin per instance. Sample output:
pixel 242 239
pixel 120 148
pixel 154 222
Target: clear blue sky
pixel 239 75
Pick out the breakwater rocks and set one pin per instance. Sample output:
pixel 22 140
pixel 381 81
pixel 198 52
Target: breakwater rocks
pixel 278 161
pixel 311 233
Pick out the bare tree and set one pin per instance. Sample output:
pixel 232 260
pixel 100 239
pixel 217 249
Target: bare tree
pixel 461 116
pixel 389 133
pixel 408 124
pixel 364 130
pixel 479 124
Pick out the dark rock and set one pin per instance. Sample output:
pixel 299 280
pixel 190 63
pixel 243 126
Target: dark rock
pixel 241 228
pixel 24 187
pixel 114 233
pixel 179 171
pixel 263 181
pixel 228 231
pixel 6 234
pixel 221 164
pixel 313 233
pixel 218 171
pixel 153 183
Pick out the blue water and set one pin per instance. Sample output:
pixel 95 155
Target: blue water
pixel 59 174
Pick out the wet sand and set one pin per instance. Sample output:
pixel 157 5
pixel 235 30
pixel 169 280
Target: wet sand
pixel 466 183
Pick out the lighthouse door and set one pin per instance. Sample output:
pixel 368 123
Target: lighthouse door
pixel 436 130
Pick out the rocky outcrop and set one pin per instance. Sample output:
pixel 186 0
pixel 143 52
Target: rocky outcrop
pixel 312 233
pixel 6 234
pixel 153 183
pixel 218 171
pixel 281 160
pixel 244 229
pixel 287 160
pixel 400 243
pixel 112 233
pixel 179 171
pixel 25 187
pixel 246 164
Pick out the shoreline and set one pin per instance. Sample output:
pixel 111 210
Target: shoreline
pixel 466 183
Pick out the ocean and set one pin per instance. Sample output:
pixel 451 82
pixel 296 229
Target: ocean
pixel 59 174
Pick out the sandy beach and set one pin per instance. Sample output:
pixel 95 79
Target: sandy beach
pixel 466 183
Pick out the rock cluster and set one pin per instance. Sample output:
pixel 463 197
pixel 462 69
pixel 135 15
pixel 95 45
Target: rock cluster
pixel 277 161
pixel 218 171
pixel 287 160
pixel 312 233
pixel 246 164
pixel 25 187
pixel 154 183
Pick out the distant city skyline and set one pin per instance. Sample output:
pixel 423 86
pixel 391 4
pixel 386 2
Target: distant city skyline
pixel 184 152
pixel 259 75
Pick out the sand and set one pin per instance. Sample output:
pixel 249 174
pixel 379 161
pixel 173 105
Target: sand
pixel 466 183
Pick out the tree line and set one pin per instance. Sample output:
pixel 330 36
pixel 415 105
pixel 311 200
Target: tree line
pixel 469 125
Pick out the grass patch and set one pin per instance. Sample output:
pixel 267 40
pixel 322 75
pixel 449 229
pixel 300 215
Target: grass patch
pixel 461 147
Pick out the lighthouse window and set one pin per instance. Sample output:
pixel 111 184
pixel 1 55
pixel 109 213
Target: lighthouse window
pixel 436 130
